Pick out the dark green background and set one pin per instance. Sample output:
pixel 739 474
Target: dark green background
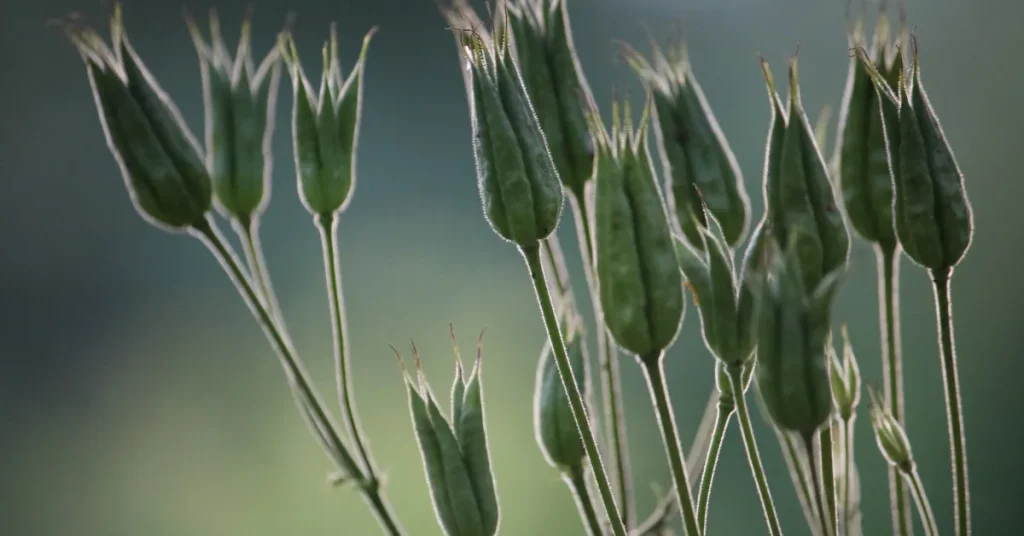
pixel 137 396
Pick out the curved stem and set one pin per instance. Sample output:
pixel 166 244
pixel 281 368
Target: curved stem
pixel 247 229
pixel 611 385
pixel 298 379
pixel 531 254
pixel 577 480
pixel 663 408
pixel 753 456
pixel 819 505
pixel 723 414
pixel 892 370
pixel 328 225
pixel 924 507
pixel 954 413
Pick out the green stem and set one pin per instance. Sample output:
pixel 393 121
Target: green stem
pixel 247 228
pixel 531 254
pixel 924 507
pixel 328 225
pixel 753 456
pixel 577 480
pixel 611 385
pixel 298 379
pixel 794 463
pixel 659 396
pixel 892 370
pixel 828 475
pixel 723 414
pixel 847 438
pixel 954 412
pixel 819 504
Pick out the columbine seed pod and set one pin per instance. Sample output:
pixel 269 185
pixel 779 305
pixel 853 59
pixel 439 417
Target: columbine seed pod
pixel 159 157
pixel 555 83
pixel 701 172
pixel 639 283
pixel 325 127
pixel 800 202
pixel 455 454
pixel 553 423
pixel 240 101
pixel 864 176
pixel 891 438
pixel 845 379
pixel 794 323
pixel 726 305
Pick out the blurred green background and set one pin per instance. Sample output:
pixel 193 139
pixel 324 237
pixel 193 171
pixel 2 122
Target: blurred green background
pixel 137 395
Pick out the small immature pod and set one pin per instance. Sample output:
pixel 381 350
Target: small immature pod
pixel 845 379
pixel 701 172
pixel 801 204
pixel 325 127
pixel 792 368
pixel 639 283
pixel 891 438
pixel 240 101
pixel 555 83
pixel 159 157
pixel 553 423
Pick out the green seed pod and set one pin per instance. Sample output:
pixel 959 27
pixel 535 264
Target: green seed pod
pixel 240 100
pixel 792 368
pixel 518 183
pixel 891 438
pixel 555 83
pixel 845 379
pixel 325 127
pixel 725 304
pixel 701 172
pixel 801 204
pixel 639 283
pixel 455 454
pixel 159 157
pixel 864 176
pixel 553 423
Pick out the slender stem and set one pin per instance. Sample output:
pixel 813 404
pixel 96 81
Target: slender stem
pixel 794 463
pixel 702 438
pixel 298 379
pixel 723 414
pixel 753 456
pixel 847 438
pixel 611 386
pixel 247 229
pixel 531 254
pixel 892 370
pixel 924 507
pixel 816 483
pixel 954 413
pixel 328 225
pixel 669 435
pixel 828 475
pixel 576 478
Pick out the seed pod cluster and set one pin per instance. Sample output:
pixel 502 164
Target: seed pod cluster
pixel 325 127
pixel 554 80
pixel 639 283
pixel 701 172
pixel 860 141
pixel 801 206
pixel 553 422
pixel 518 182
pixel 160 160
pixel 240 100
pixel 793 330
pixel 845 379
pixel 931 213
pixel 725 303
pixel 455 453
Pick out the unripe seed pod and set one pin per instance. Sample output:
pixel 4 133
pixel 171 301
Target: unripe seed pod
pixel 891 438
pixel 240 101
pixel 553 422
pixel 325 127
pixel 701 172
pixel 555 83
pixel 792 369
pixel 639 283
pixel 159 157
pixel 845 379
pixel 518 183
pixel 801 204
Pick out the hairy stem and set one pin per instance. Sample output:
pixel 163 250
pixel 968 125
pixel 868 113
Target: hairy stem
pixel 308 399
pixel 844 501
pixel 328 225
pixel 892 370
pixel 579 412
pixel 666 418
pixel 954 413
pixel 723 414
pixel 753 456
pixel 247 229
pixel 828 475
pixel 816 486
pixel 924 507
pixel 576 478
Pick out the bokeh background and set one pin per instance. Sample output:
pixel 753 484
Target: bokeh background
pixel 137 396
